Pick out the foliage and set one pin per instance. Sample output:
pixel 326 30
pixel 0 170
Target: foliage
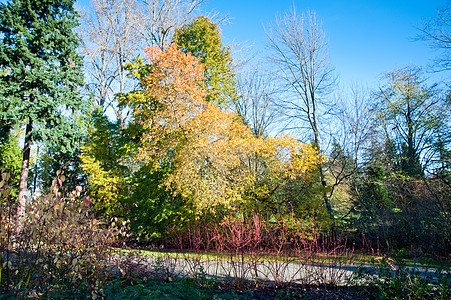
pixel 152 208
pixel 215 157
pixel 394 280
pixel 183 288
pixel 303 197
pixel 65 248
pixel 105 162
pixel 68 164
pixel 10 159
pixel 43 68
pixel 202 39
pixel 397 211
pixel 400 200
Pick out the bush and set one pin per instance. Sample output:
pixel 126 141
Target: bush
pixel 63 249
pixel 391 278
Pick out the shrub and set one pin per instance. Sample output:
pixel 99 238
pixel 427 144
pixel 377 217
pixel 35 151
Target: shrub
pixel 63 249
pixel 391 278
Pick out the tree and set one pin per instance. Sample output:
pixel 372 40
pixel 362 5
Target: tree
pixel 412 113
pixel 110 40
pixel 345 160
pixel 159 19
pixel 211 151
pixel 299 53
pixel 255 104
pixel 153 208
pixel 106 163
pixel 396 199
pixel 202 39
pixel 437 33
pixel 114 31
pixel 53 163
pixel 43 75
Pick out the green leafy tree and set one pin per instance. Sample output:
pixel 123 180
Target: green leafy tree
pixel 411 113
pixel 42 75
pixel 10 158
pixel 202 39
pixel 152 207
pixel 105 156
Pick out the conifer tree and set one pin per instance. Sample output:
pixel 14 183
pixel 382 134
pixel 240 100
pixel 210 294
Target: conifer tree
pixel 41 76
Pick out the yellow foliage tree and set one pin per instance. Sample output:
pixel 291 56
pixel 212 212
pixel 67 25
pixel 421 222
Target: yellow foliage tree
pixel 216 158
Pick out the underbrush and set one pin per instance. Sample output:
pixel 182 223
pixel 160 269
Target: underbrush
pixel 391 278
pixel 62 249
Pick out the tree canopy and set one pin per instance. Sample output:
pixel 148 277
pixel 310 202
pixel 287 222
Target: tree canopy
pixel 202 39
pixel 215 157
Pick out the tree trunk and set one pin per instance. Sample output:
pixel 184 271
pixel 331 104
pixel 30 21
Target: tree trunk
pixel 22 197
pixel 320 166
pixel 325 196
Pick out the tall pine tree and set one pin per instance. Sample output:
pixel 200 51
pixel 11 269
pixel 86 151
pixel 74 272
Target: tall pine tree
pixel 41 76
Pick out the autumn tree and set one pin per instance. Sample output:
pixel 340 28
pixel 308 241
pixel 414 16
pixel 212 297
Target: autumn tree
pixel 43 75
pixel 299 52
pixel 113 33
pixel 202 39
pixel 209 148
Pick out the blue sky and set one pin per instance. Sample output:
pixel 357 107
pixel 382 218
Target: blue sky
pixel 366 38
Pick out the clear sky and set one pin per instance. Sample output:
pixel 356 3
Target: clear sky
pixel 366 38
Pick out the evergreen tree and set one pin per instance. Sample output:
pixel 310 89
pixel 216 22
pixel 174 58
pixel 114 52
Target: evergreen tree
pixel 42 74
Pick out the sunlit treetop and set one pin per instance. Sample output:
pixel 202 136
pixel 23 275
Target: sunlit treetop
pixel 202 39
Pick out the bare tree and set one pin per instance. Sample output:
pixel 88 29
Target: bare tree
pixel 110 40
pixel 159 19
pixel 437 33
pixel 354 126
pixel 356 122
pixel 256 98
pixel 300 54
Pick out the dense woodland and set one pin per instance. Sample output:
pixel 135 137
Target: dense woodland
pixel 140 110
